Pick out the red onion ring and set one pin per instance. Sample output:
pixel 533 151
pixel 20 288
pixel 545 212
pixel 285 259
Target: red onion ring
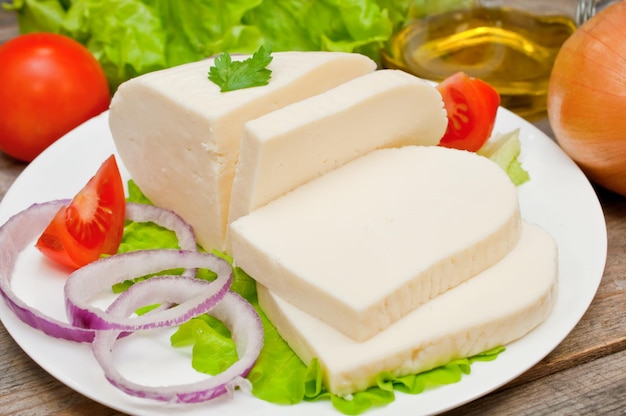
pixel 100 275
pixel 15 235
pixel 234 311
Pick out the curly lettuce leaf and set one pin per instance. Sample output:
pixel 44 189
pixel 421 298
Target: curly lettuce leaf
pixel 505 150
pixel 387 384
pixel 201 28
pixel 278 375
pixel 135 194
pixel 213 348
pixel 126 36
pixel 132 37
pixel 333 25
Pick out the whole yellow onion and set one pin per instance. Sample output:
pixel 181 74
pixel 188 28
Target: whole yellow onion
pixel 587 98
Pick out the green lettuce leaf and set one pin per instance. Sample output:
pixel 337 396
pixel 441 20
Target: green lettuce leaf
pixel 387 384
pixel 333 25
pixel 126 36
pixel 201 28
pixel 132 37
pixel 136 195
pixel 504 150
pixel 278 375
pixel 213 348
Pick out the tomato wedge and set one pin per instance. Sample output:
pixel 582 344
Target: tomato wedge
pixel 92 224
pixel 471 105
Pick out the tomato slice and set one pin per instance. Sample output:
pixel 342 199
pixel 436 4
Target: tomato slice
pixel 471 105
pixel 92 224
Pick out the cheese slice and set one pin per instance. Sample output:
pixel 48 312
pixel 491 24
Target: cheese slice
pixel 179 136
pixel 288 147
pixel 492 309
pixel 366 243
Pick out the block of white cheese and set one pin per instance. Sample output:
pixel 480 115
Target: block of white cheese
pixel 366 243
pixel 288 147
pixel 492 309
pixel 179 136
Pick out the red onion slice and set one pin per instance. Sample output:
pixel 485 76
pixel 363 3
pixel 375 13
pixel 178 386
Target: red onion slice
pixel 15 235
pixel 234 311
pixel 94 278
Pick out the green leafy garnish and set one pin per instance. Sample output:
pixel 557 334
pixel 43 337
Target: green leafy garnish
pixel 387 384
pixel 505 150
pixel 213 349
pixel 135 194
pixel 232 75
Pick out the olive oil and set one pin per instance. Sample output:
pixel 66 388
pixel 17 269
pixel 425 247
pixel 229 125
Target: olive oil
pixel 512 50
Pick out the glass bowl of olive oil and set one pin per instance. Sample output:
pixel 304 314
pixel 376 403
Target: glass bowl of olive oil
pixel 510 48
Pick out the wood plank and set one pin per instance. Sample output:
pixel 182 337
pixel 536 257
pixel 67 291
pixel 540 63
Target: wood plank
pixel 594 388
pixel 9 171
pixel 28 390
pixel 8 24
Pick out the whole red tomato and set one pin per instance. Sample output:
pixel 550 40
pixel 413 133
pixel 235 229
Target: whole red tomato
pixel 49 84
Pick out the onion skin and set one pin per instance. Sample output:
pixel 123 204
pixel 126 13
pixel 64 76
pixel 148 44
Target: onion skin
pixel 587 98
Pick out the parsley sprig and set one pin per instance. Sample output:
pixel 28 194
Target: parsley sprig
pixel 232 75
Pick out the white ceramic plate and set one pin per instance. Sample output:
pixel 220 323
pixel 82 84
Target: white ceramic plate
pixel 558 197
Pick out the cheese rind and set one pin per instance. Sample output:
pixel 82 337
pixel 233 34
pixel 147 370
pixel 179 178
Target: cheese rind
pixel 288 147
pixel 179 136
pixel 377 237
pixel 492 309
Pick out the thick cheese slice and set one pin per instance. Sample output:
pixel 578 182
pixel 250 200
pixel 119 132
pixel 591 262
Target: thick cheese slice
pixel 494 308
pixel 179 136
pixel 366 243
pixel 288 147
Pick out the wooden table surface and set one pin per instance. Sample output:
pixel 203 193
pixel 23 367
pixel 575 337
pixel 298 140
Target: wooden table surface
pixel 584 375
